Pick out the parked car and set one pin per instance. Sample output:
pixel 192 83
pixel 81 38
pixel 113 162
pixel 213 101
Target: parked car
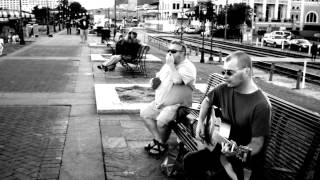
pixel 300 45
pixel 275 40
pixel 285 34
pixel 191 30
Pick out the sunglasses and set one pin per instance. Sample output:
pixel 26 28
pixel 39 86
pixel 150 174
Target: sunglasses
pixel 228 72
pixel 173 51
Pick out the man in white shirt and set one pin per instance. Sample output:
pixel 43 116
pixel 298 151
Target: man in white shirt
pixel 174 84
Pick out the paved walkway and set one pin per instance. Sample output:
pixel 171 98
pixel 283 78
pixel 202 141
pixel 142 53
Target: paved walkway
pixel 49 126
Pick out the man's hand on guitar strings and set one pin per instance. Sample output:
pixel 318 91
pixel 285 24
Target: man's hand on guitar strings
pixel 200 131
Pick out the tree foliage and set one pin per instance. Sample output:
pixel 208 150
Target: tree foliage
pixel 75 7
pixel 40 13
pixel 210 14
pixel 238 14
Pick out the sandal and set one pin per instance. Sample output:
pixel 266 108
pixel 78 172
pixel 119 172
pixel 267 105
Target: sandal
pixel 150 145
pixel 159 149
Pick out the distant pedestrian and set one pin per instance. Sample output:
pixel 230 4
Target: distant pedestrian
pixel 314 51
pixel 68 25
pixel 84 25
pixel 1 46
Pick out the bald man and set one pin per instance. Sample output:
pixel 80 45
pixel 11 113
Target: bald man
pixel 248 111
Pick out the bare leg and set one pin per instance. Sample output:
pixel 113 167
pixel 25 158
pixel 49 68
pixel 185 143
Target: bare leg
pixel 164 132
pixel 152 127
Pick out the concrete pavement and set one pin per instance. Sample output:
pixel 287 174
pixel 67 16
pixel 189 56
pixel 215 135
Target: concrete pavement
pixel 48 74
pixel 50 128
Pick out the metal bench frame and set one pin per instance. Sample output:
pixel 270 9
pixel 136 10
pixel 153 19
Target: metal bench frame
pixel 293 148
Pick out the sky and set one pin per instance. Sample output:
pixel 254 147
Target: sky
pixel 94 4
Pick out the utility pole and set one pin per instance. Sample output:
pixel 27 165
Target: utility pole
pixel 22 42
pixel 115 20
pixel 48 32
pixel 226 21
pixel 182 19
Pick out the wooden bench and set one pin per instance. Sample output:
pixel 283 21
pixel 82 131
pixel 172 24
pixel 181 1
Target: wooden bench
pixel 138 64
pixel 293 146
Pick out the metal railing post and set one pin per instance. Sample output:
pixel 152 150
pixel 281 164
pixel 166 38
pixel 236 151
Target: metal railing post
pixel 272 68
pixel 299 74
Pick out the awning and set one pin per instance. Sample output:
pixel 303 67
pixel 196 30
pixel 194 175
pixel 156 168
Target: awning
pixel 11 14
pixel 16 14
pixel 3 20
pixel 4 14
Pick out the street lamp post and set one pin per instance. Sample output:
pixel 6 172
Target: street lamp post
pixel 115 20
pixel 48 32
pixel 204 11
pixel 182 20
pixel 226 21
pixel 211 58
pixel 59 17
pixel 54 22
pixel 22 42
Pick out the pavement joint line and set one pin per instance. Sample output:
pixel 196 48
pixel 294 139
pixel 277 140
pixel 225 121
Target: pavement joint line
pixel 34 105
pixel 72 58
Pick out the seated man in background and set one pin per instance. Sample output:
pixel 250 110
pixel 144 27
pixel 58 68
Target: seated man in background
pixel 126 49
pixel 174 84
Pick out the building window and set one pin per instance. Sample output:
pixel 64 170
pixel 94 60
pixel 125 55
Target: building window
pixel 174 6
pixel 189 5
pixel 184 5
pixel 311 17
pixel 293 7
pixel 178 6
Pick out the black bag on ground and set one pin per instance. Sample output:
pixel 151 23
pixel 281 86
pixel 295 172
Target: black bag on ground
pixel 172 164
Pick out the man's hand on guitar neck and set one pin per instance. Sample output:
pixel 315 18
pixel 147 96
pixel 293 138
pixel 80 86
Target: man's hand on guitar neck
pixel 227 148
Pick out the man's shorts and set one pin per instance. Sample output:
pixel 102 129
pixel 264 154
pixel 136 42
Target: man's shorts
pixel 163 115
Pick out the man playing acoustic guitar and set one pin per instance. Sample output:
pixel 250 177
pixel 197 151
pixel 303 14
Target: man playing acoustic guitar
pixel 248 111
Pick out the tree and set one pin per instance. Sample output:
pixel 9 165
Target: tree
pixel 238 14
pixel 40 13
pixel 210 14
pixel 76 8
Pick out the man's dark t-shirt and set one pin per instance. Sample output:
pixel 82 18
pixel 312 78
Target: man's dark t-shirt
pixel 83 24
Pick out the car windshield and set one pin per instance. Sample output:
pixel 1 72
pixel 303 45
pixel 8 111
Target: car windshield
pixel 286 33
pixel 278 37
pixel 303 41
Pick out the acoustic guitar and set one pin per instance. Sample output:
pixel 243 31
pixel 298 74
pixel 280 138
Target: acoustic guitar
pixel 217 131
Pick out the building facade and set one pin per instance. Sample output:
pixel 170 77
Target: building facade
pixel 268 14
pixel 27 5
pixel 174 9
